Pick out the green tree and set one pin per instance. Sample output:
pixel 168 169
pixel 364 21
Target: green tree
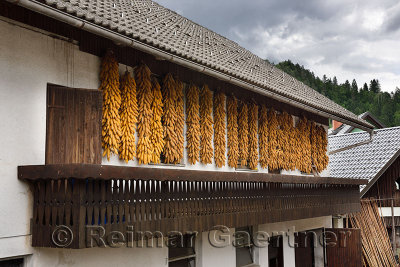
pixel 385 106
pixel 374 86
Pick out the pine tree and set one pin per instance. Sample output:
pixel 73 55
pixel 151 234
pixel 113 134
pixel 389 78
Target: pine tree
pixel 365 87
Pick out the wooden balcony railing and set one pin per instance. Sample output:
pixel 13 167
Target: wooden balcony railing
pixel 78 196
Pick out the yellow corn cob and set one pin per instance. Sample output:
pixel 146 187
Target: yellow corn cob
pixel 111 121
pixel 253 136
pixel 319 145
pixel 157 136
pixel 145 114
pixel 219 129
pixel 128 113
pixel 273 125
pixel 193 124
pixel 206 125
pixel 263 136
pixel 180 120
pixel 169 119
pixel 233 145
pixel 304 162
pixel 243 135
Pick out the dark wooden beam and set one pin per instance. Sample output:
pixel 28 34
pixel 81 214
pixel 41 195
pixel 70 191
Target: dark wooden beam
pixel 106 172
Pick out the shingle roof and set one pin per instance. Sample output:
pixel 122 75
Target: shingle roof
pixel 365 161
pixel 150 23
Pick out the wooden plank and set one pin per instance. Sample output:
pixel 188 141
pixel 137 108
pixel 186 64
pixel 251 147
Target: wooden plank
pixel 343 247
pixel 73 125
pixel 96 171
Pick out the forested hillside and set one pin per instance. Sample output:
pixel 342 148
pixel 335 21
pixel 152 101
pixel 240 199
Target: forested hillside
pixel 356 98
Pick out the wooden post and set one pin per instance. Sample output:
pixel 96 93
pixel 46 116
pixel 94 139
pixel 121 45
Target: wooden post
pixel 393 230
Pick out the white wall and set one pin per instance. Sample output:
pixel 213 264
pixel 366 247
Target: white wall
pixel 223 255
pixel 28 61
pixel 96 257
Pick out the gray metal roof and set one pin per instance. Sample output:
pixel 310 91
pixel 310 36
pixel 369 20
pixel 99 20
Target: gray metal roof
pixel 365 161
pixel 155 25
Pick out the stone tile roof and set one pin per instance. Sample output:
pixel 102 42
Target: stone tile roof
pixel 365 161
pixel 155 25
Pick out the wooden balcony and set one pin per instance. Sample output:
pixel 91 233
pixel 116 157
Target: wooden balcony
pixel 157 199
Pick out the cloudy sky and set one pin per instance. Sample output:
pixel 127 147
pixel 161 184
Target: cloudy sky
pixel 350 39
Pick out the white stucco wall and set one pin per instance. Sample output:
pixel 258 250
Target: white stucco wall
pixel 223 255
pixel 29 59
pixel 116 257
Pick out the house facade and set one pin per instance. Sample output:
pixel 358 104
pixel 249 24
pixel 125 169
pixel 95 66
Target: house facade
pixel 66 202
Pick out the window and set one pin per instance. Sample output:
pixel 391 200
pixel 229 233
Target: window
pixel 244 246
pixel 275 251
pixel 181 250
pixel 18 262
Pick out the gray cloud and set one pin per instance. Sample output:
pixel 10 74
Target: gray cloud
pixel 349 39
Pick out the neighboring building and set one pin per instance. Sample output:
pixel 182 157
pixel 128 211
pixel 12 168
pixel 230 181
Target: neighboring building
pixel 340 128
pixel 378 161
pixel 60 197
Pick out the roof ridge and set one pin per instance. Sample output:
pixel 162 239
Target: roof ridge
pixel 387 128
pixel 363 132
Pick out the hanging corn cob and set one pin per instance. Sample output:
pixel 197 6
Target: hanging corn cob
pixel 292 150
pixel 324 161
pixel 219 129
pixel 263 135
pixel 206 125
pixel 295 147
pixel 111 121
pixel 193 124
pixel 157 136
pixel 180 120
pixel 304 162
pixel 169 119
pixel 287 146
pixel 243 135
pixel 281 140
pixel 145 114
pixel 128 113
pixel 253 136
pixel 233 146
pixel 273 160
pixel 319 145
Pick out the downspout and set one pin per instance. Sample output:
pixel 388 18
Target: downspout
pixel 124 40
pixel 371 134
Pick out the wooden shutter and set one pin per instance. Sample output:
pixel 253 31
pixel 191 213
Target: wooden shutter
pixel 73 133
pixel 343 247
